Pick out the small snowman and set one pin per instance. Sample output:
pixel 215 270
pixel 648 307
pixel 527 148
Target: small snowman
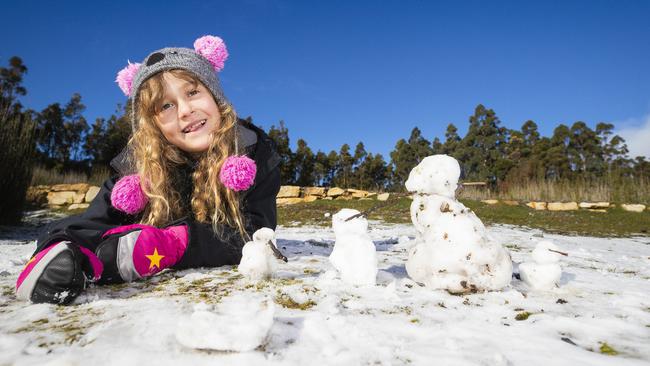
pixel 544 272
pixel 260 256
pixel 354 255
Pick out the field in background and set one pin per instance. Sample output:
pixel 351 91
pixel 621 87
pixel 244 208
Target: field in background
pixel 615 222
pixel 612 190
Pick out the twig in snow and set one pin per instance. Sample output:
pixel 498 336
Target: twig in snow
pixel 277 253
pixel 558 252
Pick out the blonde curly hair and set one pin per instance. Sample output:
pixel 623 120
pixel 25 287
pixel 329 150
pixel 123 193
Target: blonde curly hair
pixel 156 160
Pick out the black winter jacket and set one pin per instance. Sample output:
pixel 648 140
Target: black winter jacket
pixel 205 247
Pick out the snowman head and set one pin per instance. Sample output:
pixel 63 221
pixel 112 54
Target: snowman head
pixel 542 255
pixel 358 225
pixel 436 174
pixel 263 235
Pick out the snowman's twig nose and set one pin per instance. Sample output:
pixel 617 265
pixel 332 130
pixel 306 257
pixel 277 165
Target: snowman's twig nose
pixel 276 252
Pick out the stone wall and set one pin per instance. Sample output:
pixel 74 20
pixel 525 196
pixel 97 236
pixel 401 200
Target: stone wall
pixel 289 195
pixel 78 196
pixel 72 196
pixel 571 206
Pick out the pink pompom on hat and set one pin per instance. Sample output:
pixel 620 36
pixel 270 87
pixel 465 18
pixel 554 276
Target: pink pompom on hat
pixel 238 172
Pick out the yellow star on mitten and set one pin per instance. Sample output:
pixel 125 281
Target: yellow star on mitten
pixel 154 259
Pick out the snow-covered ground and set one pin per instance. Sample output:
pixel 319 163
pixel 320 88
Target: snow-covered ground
pixel 602 304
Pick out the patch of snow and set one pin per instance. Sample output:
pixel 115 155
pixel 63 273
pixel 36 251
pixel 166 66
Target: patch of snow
pixel 319 319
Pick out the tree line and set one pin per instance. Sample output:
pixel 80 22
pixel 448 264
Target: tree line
pixel 488 152
pixel 64 140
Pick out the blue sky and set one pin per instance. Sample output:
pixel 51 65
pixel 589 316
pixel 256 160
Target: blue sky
pixel 347 71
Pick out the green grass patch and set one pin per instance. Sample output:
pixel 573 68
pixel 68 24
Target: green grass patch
pixel 522 316
pixel 288 302
pixel 615 222
pixel 607 349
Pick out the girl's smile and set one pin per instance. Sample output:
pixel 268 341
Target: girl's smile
pixel 188 114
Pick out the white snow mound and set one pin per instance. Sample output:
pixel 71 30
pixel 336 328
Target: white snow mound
pixel 240 323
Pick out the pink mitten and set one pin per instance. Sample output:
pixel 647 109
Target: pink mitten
pixel 136 251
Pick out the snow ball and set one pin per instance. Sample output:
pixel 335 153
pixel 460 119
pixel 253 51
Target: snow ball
pixel 540 276
pixel 264 235
pixel 436 174
pixel 240 323
pixel 354 226
pixel 542 255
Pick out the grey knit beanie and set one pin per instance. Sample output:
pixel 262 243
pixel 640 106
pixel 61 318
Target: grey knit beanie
pixel 204 61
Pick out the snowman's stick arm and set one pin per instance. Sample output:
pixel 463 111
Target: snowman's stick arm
pixel 377 206
pixel 277 253
pixel 558 252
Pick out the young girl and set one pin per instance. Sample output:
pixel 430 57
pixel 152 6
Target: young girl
pixel 194 183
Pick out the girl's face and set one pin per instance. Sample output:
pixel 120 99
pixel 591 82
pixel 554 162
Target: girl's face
pixel 187 114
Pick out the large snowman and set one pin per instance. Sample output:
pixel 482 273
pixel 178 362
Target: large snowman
pixel 452 250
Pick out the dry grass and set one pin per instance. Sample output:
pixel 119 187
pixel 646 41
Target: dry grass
pixel 612 190
pixel 44 176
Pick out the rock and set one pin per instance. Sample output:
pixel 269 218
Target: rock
pixel 315 191
pixel 562 206
pixel 537 205
pixel 335 192
pixel 357 193
pixel 78 187
pixel 37 195
pixel 383 196
pixel 593 205
pixel 490 202
pixel 92 192
pixel 79 197
pixel 597 210
pixel 328 198
pixel 60 198
pixel 310 198
pixel 78 206
pixel 288 191
pixel 631 207
pixel 289 200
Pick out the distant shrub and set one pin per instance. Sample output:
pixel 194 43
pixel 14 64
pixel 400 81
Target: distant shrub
pixel 17 142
